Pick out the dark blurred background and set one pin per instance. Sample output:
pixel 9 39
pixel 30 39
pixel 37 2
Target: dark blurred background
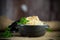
pixel 47 10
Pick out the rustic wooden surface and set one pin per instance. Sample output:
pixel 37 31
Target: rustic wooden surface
pixel 47 36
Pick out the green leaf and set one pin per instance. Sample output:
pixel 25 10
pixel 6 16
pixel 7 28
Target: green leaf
pixel 22 21
pixel 49 30
pixel 7 33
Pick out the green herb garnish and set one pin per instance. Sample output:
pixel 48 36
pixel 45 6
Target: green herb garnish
pixel 6 33
pixel 49 30
pixel 22 21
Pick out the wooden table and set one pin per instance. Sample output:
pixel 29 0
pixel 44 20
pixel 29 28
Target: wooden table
pixel 48 36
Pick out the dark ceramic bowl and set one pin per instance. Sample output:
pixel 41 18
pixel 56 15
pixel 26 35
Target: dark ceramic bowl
pixel 32 30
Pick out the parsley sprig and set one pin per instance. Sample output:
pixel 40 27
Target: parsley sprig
pixel 22 21
pixel 6 33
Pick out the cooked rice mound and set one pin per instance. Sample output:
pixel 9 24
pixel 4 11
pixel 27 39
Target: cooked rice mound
pixel 34 20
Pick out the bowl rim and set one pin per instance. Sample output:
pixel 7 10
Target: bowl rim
pixel 32 25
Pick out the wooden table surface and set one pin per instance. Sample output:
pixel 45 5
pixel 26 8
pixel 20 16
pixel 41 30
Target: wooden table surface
pixel 47 36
